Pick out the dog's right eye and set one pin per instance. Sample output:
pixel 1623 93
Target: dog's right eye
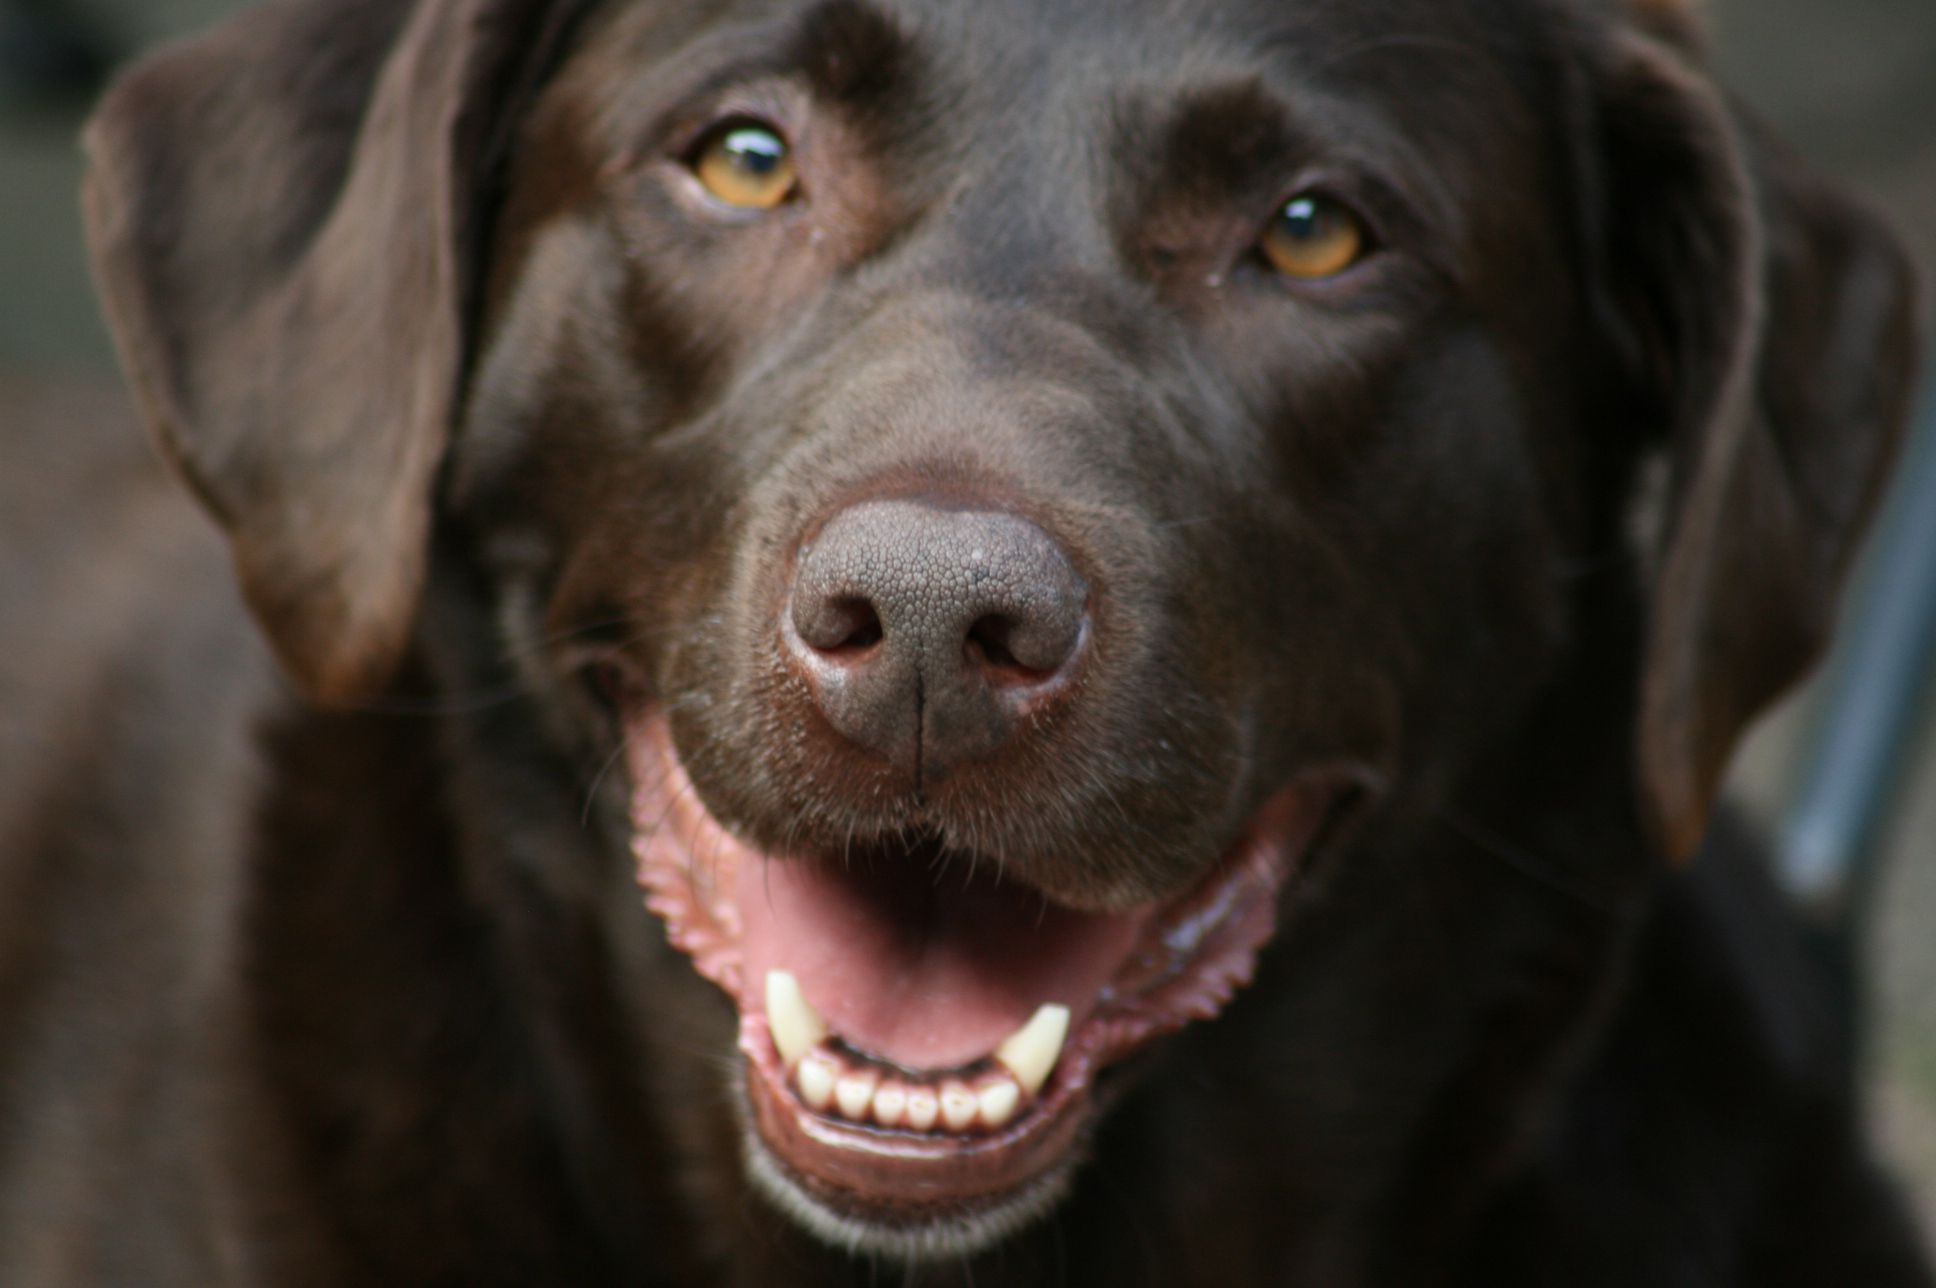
pixel 745 164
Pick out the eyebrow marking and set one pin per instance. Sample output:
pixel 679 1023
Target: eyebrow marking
pixel 1219 141
pixel 851 52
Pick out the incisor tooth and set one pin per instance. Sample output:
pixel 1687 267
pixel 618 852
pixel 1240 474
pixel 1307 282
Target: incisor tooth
pixel 797 1027
pixel 958 1105
pixel 1032 1050
pixel 922 1108
pixel 890 1104
pixel 854 1093
pixel 998 1101
pixel 817 1075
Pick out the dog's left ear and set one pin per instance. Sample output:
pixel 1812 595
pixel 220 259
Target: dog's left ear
pixel 284 216
pixel 1765 325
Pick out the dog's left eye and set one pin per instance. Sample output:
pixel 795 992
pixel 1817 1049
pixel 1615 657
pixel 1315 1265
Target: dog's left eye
pixel 745 164
pixel 1315 236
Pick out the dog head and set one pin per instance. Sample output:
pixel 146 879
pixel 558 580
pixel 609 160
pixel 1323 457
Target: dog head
pixel 1029 495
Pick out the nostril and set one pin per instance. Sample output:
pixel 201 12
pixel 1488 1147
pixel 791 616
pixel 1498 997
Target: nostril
pixel 863 625
pixel 845 624
pixel 990 638
pixel 1022 650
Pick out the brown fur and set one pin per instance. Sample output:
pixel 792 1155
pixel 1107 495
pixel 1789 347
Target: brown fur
pixel 487 409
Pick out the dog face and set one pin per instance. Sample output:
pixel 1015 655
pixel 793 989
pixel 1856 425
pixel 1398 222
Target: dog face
pixel 1030 497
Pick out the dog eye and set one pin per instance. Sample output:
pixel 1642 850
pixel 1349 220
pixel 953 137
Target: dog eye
pixel 1314 236
pixel 745 164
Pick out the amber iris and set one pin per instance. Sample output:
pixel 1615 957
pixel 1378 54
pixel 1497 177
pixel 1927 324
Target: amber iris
pixel 1314 236
pixel 747 165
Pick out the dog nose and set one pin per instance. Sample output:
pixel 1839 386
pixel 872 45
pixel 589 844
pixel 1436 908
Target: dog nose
pixel 929 631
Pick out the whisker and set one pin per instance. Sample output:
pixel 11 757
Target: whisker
pixel 598 779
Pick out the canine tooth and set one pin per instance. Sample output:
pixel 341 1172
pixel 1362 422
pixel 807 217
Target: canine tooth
pixel 817 1075
pixel 855 1092
pixel 890 1104
pixel 1031 1051
pixel 958 1105
pixel 797 1027
pixel 998 1102
pixel 922 1108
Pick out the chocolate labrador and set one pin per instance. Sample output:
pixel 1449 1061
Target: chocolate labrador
pixel 1002 643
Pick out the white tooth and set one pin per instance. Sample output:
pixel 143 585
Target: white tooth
pixel 797 1027
pixel 958 1105
pixel 998 1101
pixel 855 1092
pixel 922 1108
pixel 817 1075
pixel 1032 1050
pixel 890 1104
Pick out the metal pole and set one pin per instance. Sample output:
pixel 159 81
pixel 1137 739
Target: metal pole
pixel 1877 692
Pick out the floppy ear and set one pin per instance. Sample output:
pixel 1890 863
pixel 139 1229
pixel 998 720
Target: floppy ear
pixel 1766 325
pixel 283 217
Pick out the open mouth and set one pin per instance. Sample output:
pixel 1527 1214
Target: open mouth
pixel 923 1036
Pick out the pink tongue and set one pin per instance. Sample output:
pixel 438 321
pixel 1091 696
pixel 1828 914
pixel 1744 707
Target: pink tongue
pixel 922 971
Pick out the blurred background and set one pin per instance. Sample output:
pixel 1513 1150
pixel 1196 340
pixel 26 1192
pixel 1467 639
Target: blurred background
pixel 1851 83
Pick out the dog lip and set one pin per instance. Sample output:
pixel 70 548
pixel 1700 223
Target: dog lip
pixel 848 1163
pixel 1192 955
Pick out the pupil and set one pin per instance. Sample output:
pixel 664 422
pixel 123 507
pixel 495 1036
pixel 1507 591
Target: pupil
pixel 755 151
pixel 1302 219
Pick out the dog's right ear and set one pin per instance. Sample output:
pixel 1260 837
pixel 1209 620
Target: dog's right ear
pixel 284 217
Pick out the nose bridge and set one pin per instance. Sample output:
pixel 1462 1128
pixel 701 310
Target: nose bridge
pixel 1026 230
pixel 946 371
pixel 987 403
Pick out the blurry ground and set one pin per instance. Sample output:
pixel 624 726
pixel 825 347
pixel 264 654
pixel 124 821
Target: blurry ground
pixel 1852 82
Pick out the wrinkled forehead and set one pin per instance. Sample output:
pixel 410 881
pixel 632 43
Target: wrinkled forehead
pixel 1426 86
